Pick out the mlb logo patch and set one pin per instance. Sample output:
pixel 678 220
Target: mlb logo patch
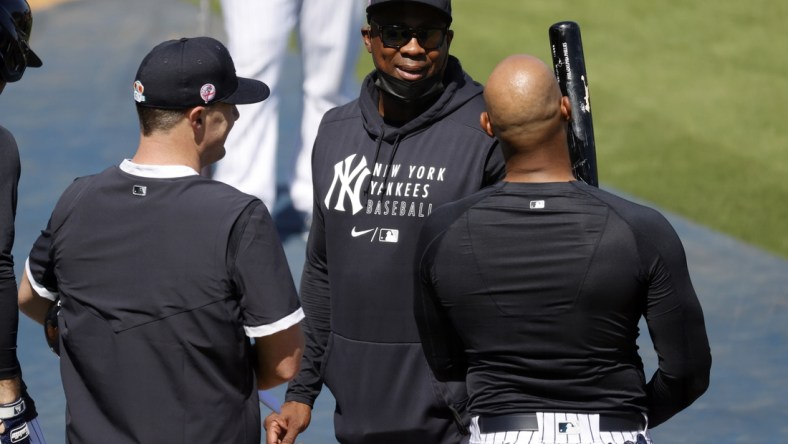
pixel 568 427
pixel 389 235
pixel 139 190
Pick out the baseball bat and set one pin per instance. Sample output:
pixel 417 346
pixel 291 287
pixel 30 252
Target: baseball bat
pixel 570 70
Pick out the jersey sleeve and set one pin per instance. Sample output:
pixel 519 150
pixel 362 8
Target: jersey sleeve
pixel 316 299
pixel 9 315
pixel 39 267
pixel 40 263
pixel 676 325
pixel 261 275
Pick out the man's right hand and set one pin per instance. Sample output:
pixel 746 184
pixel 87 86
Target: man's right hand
pixel 284 427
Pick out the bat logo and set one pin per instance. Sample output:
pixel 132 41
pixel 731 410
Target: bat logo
pixel 587 105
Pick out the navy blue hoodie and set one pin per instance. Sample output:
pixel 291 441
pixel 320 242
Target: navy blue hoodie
pixel 374 185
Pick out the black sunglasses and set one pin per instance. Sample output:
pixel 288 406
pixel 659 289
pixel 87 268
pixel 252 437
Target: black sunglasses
pixel 397 36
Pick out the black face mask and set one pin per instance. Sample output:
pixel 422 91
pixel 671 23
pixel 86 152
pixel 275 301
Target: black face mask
pixel 410 92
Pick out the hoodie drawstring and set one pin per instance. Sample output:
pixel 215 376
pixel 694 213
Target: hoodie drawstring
pixel 387 170
pixel 390 163
pixel 375 161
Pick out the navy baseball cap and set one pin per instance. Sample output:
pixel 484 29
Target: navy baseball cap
pixel 443 6
pixel 179 74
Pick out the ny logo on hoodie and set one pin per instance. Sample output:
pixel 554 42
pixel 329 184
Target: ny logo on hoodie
pixel 350 180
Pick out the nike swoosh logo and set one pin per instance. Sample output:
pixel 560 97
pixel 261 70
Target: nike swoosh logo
pixel 355 233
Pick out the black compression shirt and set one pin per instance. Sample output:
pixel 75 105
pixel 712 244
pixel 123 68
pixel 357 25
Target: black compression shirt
pixel 534 291
pixel 9 315
pixel 10 170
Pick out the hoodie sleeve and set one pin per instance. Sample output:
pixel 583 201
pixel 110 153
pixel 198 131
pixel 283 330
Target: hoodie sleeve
pixel 316 302
pixel 9 314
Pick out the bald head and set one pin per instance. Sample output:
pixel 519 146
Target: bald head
pixel 523 98
pixel 527 113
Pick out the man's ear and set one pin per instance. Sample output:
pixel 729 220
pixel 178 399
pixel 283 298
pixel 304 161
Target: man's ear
pixel 449 37
pixel 566 108
pixel 486 124
pixel 365 35
pixel 196 117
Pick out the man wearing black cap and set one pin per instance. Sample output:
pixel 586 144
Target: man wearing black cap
pixel 163 275
pixel 18 423
pixel 381 164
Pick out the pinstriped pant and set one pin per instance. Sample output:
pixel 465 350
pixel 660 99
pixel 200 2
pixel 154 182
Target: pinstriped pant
pixel 36 435
pixel 555 428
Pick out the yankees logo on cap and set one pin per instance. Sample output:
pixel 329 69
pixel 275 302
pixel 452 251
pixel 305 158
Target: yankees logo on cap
pixel 138 92
pixel 208 92
pixel 187 72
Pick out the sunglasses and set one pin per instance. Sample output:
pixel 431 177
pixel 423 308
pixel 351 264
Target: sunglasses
pixel 397 36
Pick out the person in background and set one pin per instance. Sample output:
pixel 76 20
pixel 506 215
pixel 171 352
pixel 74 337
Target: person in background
pixel 258 37
pixel 18 417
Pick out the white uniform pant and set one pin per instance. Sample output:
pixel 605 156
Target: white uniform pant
pixel 258 31
pixel 557 428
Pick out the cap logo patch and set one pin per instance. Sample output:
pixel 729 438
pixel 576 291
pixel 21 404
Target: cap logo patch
pixel 138 90
pixel 208 92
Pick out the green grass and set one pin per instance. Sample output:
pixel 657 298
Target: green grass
pixel 689 98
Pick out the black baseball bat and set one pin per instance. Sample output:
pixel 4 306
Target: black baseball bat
pixel 570 70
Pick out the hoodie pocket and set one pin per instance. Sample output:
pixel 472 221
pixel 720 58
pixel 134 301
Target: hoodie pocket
pixel 385 393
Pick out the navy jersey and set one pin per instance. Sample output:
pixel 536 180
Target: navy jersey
pixel 532 292
pixel 162 280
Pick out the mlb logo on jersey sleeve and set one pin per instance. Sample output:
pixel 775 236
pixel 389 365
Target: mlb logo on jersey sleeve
pixel 389 235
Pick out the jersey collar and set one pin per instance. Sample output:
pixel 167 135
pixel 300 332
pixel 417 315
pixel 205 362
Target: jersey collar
pixel 156 171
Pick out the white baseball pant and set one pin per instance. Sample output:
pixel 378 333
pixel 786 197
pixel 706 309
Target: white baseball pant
pixel 555 428
pixel 258 31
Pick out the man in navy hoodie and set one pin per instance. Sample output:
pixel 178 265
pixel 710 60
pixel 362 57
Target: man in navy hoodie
pixel 381 164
